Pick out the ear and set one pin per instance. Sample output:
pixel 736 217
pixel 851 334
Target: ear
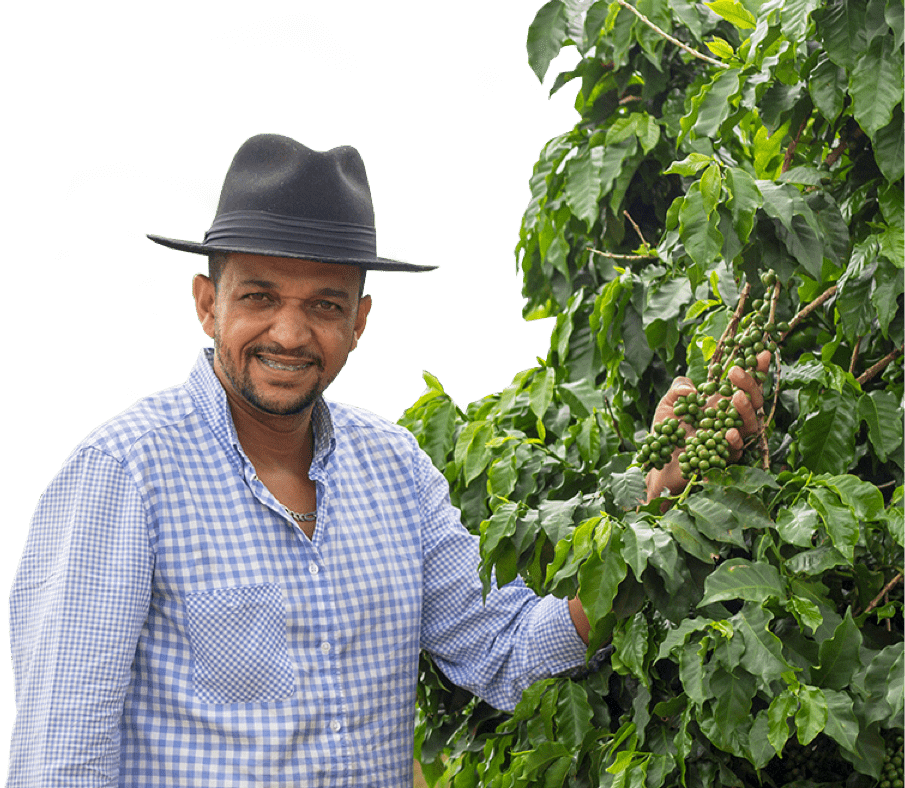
pixel 361 319
pixel 205 300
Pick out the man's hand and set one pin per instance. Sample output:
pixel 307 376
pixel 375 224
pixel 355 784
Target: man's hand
pixel 748 399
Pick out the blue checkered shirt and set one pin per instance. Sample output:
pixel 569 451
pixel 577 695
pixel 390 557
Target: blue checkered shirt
pixel 171 626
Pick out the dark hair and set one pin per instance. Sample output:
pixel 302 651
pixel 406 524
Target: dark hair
pixel 216 261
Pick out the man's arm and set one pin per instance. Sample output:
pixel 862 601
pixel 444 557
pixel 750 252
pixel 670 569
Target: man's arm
pixel 77 606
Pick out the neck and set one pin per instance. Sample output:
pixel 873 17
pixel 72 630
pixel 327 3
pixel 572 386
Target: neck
pixel 273 442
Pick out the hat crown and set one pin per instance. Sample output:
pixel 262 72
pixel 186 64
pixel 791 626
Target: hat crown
pixel 278 175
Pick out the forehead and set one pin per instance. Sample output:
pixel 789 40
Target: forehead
pixel 286 273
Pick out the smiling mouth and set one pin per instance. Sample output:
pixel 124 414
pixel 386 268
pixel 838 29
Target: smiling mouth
pixel 271 364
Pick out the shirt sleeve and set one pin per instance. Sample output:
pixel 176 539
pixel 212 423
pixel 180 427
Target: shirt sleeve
pixel 78 603
pixel 496 649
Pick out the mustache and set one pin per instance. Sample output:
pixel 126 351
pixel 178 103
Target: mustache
pixel 297 354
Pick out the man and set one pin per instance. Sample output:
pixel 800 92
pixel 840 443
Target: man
pixel 229 584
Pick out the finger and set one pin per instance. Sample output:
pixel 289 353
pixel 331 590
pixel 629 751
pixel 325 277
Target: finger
pixel 680 387
pixel 736 444
pixel 745 382
pixel 747 406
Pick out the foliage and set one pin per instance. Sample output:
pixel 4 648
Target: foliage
pixel 757 616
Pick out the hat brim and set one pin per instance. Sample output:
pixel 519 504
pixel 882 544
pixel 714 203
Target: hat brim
pixel 371 264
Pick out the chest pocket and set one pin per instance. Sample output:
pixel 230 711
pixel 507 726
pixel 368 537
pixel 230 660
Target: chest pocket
pixel 238 640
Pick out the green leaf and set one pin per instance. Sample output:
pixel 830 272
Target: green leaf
pixel 711 187
pixel 546 35
pixel 862 498
pixel 715 521
pixel 781 708
pixel 744 200
pixel 739 578
pixel 806 612
pixel 888 287
pixel 648 131
pixel 842 29
pixel 827 85
pixel 734 13
pixel 852 301
pixel 598 579
pixel 841 525
pixel 472 453
pixel 841 723
pixel 698 230
pixel 628 488
pixel 797 524
pixel 876 84
pixel 879 409
pixel 622 129
pixel 827 437
pixel 630 640
pixel 667 301
pixel 691 671
pixel 730 709
pixel 839 656
pixel 541 391
pixel 889 150
pixel 573 715
pixel 582 397
pixel 762 657
pixel 687 536
pixel 795 15
pixel 816 561
pixel 714 103
pixel 499 527
pixel 690 165
pixel 797 227
pixel 720 47
pixel 812 713
pixel 582 188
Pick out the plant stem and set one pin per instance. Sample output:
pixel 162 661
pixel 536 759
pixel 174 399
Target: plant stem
pixel 824 296
pixel 615 256
pixel 886 589
pixel 732 325
pixel 668 37
pixel 877 368
pixel 790 151
pixel 854 361
pixel 637 229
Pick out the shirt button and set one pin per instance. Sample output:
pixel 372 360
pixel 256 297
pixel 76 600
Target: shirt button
pixel 326 647
pixel 313 568
pixel 335 726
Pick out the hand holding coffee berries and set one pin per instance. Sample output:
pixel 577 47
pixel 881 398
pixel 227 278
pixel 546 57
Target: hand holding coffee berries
pixel 695 431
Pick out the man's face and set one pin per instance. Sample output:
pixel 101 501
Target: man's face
pixel 282 328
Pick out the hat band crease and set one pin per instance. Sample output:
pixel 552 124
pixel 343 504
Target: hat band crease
pixel 292 234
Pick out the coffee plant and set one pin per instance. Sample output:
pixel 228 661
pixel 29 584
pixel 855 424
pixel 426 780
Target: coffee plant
pixel 732 188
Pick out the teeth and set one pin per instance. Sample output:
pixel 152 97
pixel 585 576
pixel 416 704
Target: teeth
pixel 285 367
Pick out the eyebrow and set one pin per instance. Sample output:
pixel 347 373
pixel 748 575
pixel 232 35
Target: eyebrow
pixel 265 284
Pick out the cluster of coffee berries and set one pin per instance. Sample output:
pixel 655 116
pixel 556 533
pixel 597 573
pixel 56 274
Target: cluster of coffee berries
pixel 756 333
pixel 656 449
pixel 708 447
pixel 891 775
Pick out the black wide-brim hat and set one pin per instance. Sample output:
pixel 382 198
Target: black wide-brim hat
pixel 281 199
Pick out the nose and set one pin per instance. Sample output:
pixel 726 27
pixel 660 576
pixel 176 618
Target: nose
pixel 290 327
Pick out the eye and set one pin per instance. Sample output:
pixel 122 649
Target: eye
pixel 257 297
pixel 327 306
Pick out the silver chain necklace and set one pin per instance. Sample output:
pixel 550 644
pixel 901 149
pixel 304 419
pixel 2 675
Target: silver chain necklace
pixel 300 517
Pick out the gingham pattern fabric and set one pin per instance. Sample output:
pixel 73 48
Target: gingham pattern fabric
pixel 171 626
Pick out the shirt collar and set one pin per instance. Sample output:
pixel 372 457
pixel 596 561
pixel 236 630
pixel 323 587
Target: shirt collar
pixel 210 398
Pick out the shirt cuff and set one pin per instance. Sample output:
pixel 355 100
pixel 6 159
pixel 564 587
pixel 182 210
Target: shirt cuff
pixel 560 647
